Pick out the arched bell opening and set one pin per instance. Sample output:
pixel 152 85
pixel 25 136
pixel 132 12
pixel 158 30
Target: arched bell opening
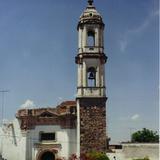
pixel 91 77
pixel 90 39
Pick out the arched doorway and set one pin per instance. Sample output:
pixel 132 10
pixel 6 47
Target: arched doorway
pixel 47 156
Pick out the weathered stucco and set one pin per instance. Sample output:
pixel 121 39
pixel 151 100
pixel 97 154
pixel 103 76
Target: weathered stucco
pixel 133 151
pixel 141 150
pixel 20 139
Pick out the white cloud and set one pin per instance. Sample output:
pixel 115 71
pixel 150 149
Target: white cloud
pixel 128 35
pixel 123 45
pixel 28 104
pixel 135 117
pixel 156 13
pixel 60 98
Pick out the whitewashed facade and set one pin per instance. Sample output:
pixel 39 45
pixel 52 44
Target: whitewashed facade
pixel 22 141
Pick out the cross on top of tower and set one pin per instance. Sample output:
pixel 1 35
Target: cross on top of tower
pixel 90 2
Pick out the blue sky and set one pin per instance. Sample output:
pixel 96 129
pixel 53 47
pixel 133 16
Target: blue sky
pixel 38 43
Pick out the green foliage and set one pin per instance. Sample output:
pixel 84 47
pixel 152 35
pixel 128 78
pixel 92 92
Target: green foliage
pixel 145 158
pixel 90 156
pixel 97 156
pixel 145 135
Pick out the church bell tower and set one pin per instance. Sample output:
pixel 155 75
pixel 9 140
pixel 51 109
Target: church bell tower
pixel 91 91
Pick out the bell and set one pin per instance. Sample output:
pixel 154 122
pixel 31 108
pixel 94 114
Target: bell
pixel 91 75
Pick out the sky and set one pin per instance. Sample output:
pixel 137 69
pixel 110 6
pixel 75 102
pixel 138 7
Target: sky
pixel 38 45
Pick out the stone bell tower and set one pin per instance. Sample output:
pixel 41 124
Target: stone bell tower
pixel 91 90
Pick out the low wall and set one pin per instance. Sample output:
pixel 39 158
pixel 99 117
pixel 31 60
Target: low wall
pixel 141 150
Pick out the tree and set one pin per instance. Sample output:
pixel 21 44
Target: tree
pixel 145 135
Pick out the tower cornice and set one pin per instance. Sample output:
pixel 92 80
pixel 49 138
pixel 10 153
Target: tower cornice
pixel 79 58
pixel 92 21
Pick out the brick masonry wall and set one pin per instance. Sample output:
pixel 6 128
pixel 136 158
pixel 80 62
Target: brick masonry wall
pixel 92 124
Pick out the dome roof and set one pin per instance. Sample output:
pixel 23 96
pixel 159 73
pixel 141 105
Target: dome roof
pixel 90 15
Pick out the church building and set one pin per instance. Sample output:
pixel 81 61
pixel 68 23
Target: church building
pixel 73 127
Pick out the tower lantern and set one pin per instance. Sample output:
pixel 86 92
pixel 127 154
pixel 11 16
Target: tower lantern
pixel 90 2
pixel 91 90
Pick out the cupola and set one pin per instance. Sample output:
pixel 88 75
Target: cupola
pixel 90 15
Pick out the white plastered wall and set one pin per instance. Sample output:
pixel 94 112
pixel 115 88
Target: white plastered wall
pixel 13 142
pixel 65 137
pixel 19 145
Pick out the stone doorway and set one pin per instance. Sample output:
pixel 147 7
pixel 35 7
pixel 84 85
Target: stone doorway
pixel 47 156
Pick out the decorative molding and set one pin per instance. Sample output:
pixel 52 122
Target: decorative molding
pixel 62 115
pixel 79 58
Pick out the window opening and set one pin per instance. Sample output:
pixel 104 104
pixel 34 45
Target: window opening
pixel 47 136
pixel 91 39
pixel 91 75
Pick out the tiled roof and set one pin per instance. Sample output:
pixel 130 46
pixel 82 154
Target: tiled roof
pixel 73 103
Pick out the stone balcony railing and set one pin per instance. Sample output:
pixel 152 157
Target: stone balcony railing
pixel 91 91
pixel 91 49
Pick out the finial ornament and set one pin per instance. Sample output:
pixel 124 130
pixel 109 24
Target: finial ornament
pixel 90 2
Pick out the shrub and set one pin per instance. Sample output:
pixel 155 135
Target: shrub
pixel 96 156
pixel 90 156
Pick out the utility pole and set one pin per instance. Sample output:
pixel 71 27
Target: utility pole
pixel 2 114
pixel 2 107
